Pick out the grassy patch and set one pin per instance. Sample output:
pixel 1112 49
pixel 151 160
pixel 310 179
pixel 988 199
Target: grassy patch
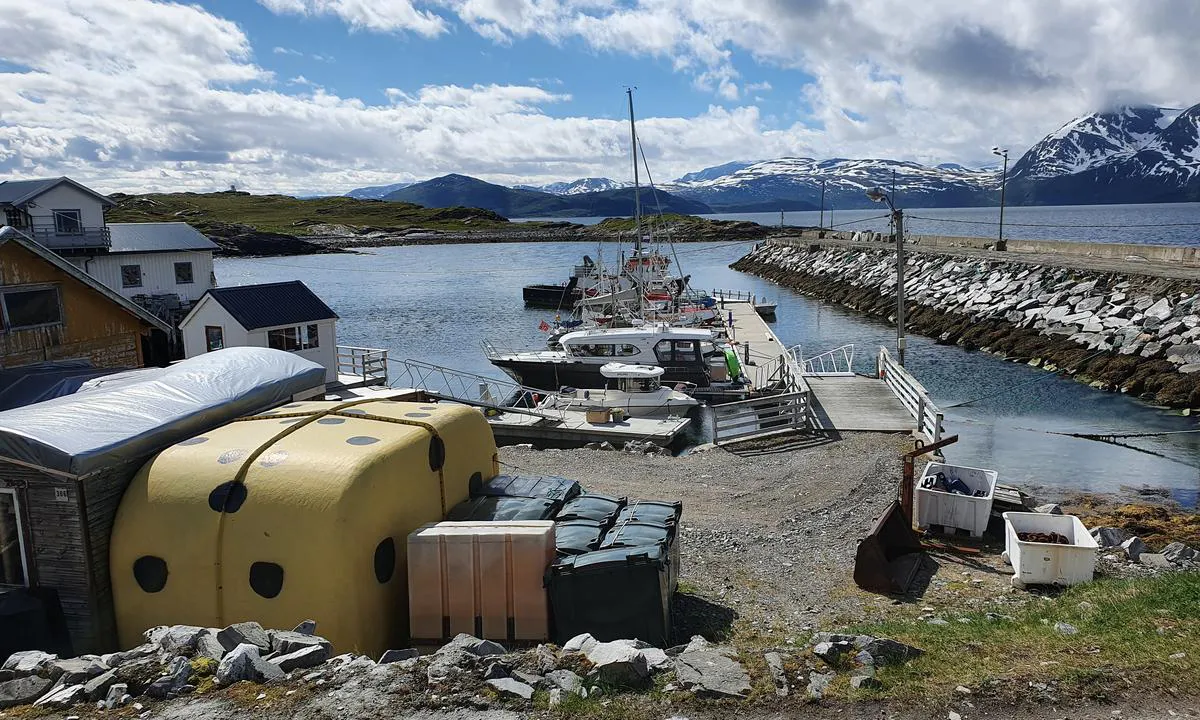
pixel 292 216
pixel 1126 628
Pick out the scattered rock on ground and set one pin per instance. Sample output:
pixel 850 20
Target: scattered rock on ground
pixel 566 680
pixel 1177 553
pixel 1107 537
pixel 1066 628
pixel 473 645
pixel 712 673
pixel 245 632
pixel 775 666
pixel 23 690
pixel 1133 548
pixel 305 657
pixel 169 685
pixel 244 663
pixel 818 683
pixel 392 656
pixel 618 664
pixel 507 687
pixel 97 688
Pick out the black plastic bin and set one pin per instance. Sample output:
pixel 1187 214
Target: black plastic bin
pixel 597 508
pixel 549 487
pixel 632 534
pixel 651 511
pixel 575 537
pixel 504 508
pixel 615 594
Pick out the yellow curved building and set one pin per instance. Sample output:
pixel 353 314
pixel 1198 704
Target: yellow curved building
pixel 301 512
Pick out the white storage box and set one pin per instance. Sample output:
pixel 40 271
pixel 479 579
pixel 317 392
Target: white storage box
pixel 934 507
pixel 1041 563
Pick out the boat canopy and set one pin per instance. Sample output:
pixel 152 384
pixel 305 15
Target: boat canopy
pixel 625 335
pixel 633 372
pixel 135 414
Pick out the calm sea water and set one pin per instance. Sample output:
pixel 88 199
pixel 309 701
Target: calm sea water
pixel 1163 224
pixel 437 303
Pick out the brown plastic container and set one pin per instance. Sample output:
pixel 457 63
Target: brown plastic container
pixel 481 578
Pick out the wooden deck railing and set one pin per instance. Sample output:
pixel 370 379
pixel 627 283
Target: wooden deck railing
pixel 912 395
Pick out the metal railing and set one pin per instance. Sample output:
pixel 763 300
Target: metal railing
pixel 747 419
pixel 450 384
pixel 836 362
pixel 738 295
pixel 50 237
pixel 369 364
pixel 912 395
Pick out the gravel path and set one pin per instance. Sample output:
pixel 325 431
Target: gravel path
pixel 768 533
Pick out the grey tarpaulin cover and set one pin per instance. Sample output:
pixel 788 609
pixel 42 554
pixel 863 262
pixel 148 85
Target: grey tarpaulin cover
pixel 134 414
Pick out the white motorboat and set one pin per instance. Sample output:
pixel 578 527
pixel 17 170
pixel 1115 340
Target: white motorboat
pixel 636 389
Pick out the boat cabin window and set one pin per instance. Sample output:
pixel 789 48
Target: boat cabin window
pixel 603 350
pixel 640 384
pixel 676 351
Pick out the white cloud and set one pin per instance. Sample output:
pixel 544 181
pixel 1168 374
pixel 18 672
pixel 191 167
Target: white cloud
pixel 286 51
pixel 378 15
pixel 137 94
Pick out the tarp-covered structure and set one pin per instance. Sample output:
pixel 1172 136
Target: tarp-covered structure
pixel 133 414
pixel 68 461
pixel 29 384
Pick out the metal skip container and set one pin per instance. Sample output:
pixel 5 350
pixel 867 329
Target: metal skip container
pixel 481 578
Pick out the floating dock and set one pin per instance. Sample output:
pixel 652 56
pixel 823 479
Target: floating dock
pixel 573 429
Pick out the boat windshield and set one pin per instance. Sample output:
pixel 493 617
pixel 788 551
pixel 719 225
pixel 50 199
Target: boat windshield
pixel 603 350
pixel 640 385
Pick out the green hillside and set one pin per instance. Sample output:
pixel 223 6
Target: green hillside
pixel 212 213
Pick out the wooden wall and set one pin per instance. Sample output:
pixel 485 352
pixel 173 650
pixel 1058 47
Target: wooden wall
pixel 93 326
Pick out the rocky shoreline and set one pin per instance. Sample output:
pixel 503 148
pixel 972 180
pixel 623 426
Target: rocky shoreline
pixel 245 241
pixel 1118 332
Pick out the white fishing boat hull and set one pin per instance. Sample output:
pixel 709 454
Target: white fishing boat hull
pixel 664 402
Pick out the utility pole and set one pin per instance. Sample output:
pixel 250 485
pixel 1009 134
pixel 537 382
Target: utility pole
pixel 898 216
pixel 823 204
pixel 637 207
pixel 1003 182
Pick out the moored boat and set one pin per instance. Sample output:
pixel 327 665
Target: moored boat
pixel 635 389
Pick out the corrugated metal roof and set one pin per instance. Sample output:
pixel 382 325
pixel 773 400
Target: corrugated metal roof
pixel 272 304
pixel 157 237
pixel 15 192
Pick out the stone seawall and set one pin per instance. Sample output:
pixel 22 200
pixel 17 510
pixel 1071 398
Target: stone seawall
pixel 1128 333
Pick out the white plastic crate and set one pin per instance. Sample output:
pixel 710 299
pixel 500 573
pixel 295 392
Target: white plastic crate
pixel 934 507
pixel 1039 563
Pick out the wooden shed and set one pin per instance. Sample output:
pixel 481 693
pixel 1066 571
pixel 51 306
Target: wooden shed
pixel 65 465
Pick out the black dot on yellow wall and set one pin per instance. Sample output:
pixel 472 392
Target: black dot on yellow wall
pixel 385 560
pixel 227 497
pixel 150 573
pixel 266 579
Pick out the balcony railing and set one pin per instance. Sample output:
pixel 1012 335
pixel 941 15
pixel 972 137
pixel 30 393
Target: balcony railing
pixel 84 238
pixel 369 365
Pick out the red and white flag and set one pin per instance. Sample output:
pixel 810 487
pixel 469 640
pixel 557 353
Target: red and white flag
pixel 544 326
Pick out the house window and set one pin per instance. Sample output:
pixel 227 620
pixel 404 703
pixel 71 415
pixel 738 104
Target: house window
pixel 67 222
pixel 12 544
pixel 16 217
pixel 214 337
pixel 292 339
pixel 131 276
pixel 183 273
pixel 31 308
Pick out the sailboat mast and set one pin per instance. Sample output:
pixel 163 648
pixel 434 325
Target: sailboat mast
pixel 637 202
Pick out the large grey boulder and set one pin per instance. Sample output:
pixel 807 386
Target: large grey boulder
pixel 778 676
pixel 305 657
pixel 244 663
pixel 286 642
pixel 97 687
pixel 169 685
pixel 580 643
pixel 180 639
pixel 117 659
pixel 1155 560
pixel 618 664
pixel 507 687
pixel 473 645
pixel 711 673
pixel 76 671
pixel 29 662
pixel 1134 547
pixel 139 673
pixel 207 645
pixel 890 652
pixel 1178 553
pixel 1107 537
pixel 393 656
pixel 1160 310
pixel 61 696
pixel 23 690
pixel 243 633
pixel 565 680
pixel 308 627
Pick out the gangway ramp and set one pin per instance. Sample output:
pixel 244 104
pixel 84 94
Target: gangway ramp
pixel 857 402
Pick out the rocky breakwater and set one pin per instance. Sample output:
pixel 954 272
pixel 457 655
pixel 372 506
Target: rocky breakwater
pixel 1129 333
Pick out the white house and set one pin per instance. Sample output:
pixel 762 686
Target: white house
pixel 284 316
pixel 150 263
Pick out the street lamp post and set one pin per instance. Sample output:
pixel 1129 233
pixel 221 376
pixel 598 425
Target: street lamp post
pixel 878 195
pixel 1003 182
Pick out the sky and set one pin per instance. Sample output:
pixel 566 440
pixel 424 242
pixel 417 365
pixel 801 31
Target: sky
pixel 322 96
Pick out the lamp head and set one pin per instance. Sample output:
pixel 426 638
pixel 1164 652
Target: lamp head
pixel 999 152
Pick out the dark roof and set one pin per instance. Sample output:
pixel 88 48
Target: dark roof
pixel 157 237
pixel 18 192
pixel 272 304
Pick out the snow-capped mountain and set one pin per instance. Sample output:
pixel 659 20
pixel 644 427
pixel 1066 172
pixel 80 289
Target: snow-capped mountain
pixel 578 187
pixel 1130 155
pixel 786 183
